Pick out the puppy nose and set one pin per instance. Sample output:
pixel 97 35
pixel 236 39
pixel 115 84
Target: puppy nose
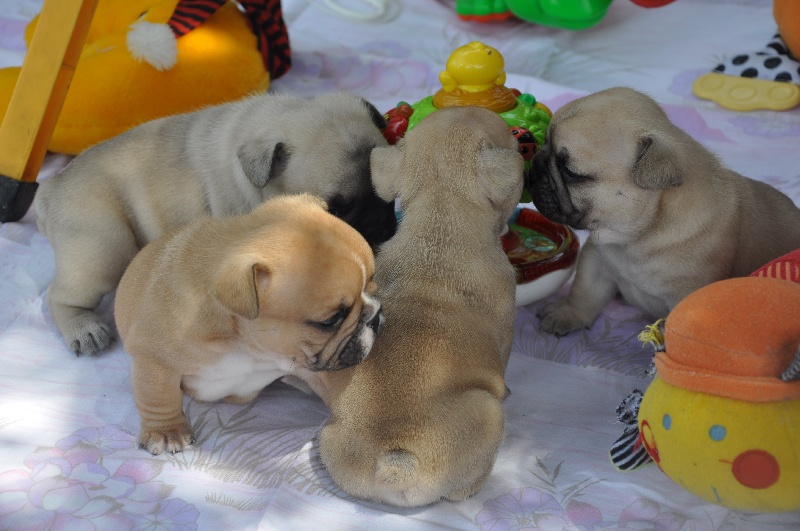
pixel 377 321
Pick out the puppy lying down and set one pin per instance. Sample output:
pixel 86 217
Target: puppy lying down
pixel 664 216
pixel 421 418
pixel 224 306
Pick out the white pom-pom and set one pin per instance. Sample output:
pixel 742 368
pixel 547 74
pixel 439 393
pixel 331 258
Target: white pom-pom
pixel 154 44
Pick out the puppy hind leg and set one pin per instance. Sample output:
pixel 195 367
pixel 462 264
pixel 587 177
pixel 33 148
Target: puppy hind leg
pixel 475 440
pixel 353 458
pixel 85 273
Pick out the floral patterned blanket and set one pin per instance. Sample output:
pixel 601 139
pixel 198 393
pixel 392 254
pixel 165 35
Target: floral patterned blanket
pixel 68 456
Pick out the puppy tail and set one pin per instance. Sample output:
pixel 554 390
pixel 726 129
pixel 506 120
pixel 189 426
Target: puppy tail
pixel 447 453
pixel 396 467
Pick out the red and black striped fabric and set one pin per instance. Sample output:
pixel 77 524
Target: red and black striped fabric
pixel 266 16
pixel 266 20
pixel 191 13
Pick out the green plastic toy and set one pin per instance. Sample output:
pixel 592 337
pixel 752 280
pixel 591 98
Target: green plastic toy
pixel 565 14
pixel 475 75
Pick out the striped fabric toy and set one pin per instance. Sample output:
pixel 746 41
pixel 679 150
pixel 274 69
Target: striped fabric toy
pixel 266 19
pixel 787 267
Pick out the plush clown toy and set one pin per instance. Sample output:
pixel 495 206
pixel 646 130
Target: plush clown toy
pixel 722 415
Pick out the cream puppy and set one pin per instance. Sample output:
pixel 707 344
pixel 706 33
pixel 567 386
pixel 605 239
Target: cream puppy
pixel 123 193
pixel 421 418
pixel 224 306
pixel 664 216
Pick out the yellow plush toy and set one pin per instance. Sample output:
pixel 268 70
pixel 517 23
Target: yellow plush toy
pixel 722 416
pixel 145 59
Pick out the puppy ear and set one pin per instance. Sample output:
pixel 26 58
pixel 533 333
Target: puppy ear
pixel 656 167
pixel 261 163
pixel 237 286
pixel 386 169
pixel 375 115
pixel 495 165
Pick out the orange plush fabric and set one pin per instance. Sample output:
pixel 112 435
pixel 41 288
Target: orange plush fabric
pixel 112 91
pixel 787 16
pixel 733 339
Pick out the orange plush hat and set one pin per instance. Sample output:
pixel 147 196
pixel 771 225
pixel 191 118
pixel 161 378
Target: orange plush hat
pixel 734 338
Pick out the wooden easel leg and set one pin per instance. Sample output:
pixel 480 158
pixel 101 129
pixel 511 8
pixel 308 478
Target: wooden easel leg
pixel 37 100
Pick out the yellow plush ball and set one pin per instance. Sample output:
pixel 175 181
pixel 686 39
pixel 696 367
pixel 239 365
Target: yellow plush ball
pixel 743 455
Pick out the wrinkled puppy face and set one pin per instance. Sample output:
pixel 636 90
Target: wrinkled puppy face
pixel 314 295
pixel 327 330
pixel 590 173
pixel 325 308
pixel 322 147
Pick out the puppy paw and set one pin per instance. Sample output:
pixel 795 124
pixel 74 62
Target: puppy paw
pixel 170 440
pixel 88 334
pixel 560 318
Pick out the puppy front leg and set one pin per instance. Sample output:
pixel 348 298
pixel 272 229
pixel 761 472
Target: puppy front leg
pixel 159 399
pixel 592 289
pixel 87 269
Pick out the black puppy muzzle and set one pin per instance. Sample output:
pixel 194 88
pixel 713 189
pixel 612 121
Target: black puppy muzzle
pixel 555 205
pixel 356 348
pixel 370 215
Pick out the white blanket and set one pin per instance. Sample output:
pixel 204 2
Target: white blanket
pixel 68 455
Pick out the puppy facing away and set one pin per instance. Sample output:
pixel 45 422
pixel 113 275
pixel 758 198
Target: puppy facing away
pixel 224 306
pixel 664 216
pixel 117 196
pixel 421 418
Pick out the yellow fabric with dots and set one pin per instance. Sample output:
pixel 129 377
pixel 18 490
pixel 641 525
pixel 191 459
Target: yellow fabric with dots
pixel 742 455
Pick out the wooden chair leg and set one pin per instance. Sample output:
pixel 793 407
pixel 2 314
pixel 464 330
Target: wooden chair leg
pixel 37 100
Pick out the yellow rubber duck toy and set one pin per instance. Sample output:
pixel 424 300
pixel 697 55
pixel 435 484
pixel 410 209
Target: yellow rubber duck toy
pixel 474 75
pixel 722 416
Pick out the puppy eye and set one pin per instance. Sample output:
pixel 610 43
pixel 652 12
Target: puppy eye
pixel 332 322
pixel 329 323
pixel 576 177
